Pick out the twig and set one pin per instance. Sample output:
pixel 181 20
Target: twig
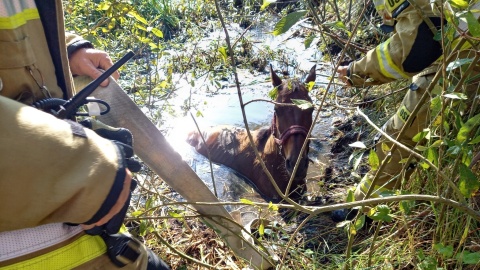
pixel 242 106
pixel 181 254
pixel 413 153
pixel 316 210
pixel 208 155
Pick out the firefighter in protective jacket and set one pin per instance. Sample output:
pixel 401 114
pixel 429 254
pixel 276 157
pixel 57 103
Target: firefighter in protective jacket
pixel 55 173
pixel 412 51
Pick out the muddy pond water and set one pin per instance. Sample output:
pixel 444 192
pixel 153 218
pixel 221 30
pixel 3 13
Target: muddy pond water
pixel 222 107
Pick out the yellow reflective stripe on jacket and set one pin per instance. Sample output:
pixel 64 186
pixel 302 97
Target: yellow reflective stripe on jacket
pixel 15 13
pixel 387 67
pixel 379 5
pixel 80 251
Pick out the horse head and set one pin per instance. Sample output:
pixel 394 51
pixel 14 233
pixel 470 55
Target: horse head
pixel 290 126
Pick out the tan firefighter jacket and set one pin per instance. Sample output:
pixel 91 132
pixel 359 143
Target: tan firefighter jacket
pixel 50 170
pixel 408 51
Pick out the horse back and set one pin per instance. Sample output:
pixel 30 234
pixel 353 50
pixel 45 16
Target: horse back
pixel 229 146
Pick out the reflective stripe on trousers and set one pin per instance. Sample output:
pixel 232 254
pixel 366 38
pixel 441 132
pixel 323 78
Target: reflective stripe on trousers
pixel 51 246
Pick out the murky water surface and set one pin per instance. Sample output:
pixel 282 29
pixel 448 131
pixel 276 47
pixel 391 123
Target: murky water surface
pixel 222 107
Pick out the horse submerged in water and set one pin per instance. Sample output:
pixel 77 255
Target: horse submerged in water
pixel 279 145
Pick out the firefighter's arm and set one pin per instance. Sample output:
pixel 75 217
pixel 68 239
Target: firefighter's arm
pixel 84 59
pixel 407 52
pixel 55 171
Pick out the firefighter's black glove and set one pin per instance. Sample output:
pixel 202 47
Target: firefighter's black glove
pixel 120 136
pixel 113 225
pixel 124 139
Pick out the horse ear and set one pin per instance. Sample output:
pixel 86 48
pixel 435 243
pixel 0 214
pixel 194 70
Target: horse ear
pixel 276 81
pixel 311 75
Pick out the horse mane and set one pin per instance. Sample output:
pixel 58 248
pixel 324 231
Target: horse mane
pixel 263 134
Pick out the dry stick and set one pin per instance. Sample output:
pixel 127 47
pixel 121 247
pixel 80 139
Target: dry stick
pixel 342 55
pixel 319 107
pixel 400 145
pixel 297 163
pixel 402 131
pixel 338 38
pixel 375 235
pixel 315 210
pixel 211 218
pixel 208 155
pixel 369 101
pixel 242 106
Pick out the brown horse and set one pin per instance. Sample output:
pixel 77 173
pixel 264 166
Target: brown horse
pixel 279 145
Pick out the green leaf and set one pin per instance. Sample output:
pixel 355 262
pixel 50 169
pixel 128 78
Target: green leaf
pixel 473 25
pixel 468 184
pixel 424 165
pixel 156 32
pixel 437 144
pixel 308 41
pixel 140 26
pixel 266 3
pixel 261 228
pixel 458 63
pixel 143 228
pixel 468 257
pixel 357 157
pixel 475 141
pixel 175 215
pixel 464 132
pixel 435 105
pixel 245 201
pixel 272 206
pixel 310 86
pixel 461 4
pixel 343 224
pixel 137 17
pixel 358 144
pixel 421 135
pixel 136 213
pixel 445 251
pixel 287 22
pixel 373 160
pixel 144 40
pixel 149 202
pixel 223 52
pixel 454 150
pixel 105 5
pixel 381 212
pixel 338 25
pixel 302 104
pixel 360 222
pixel 456 96
pixel 406 206
pixel 385 148
pixel 273 93
pixel 432 156
pixel 350 196
pixel 421 148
